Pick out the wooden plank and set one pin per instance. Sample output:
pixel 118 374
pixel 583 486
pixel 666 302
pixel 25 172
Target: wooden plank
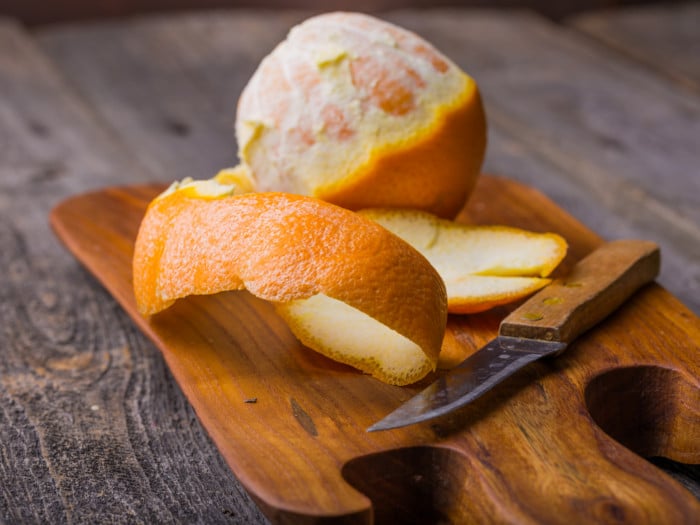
pixel 615 145
pixel 40 12
pixel 168 86
pixel 93 428
pixel 665 37
pixel 530 451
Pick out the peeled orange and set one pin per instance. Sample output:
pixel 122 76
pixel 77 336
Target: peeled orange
pixel 359 112
pixel 346 287
pixel 482 266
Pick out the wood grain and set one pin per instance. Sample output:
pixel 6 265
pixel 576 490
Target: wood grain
pixel 168 86
pixel 664 37
pixel 618 140
pixel 592 290
pixel 93 428
pixel 37 12
pixel 530 451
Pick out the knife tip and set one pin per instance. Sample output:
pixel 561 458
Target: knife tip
pixel 387 424
pixel 382 425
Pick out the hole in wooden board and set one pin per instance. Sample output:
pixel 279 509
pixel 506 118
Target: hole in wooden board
pixel 414 485
pixel 686 475
pixel 653 411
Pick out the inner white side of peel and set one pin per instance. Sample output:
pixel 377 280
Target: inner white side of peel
pixel 346 331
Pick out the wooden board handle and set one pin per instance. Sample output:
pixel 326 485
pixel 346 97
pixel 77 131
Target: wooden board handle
pixel 595 288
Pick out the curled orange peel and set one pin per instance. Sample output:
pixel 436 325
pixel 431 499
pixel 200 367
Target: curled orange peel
pixel 346 287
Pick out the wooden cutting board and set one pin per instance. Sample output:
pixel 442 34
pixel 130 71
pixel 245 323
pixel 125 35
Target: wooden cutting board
pixel 561 441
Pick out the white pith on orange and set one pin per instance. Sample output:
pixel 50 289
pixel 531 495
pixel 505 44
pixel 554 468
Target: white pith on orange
pixel 359 112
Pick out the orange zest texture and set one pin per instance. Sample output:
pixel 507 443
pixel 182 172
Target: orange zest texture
pixel 328 271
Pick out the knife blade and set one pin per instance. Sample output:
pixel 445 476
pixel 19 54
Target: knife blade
pixel 542 326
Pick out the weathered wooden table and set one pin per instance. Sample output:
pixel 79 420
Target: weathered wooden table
pixel 601 113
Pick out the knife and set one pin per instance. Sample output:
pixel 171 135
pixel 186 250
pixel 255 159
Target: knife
pixel 543 326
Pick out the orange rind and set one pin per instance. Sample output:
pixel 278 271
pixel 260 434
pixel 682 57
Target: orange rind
pixel 346 287
pixel 482 266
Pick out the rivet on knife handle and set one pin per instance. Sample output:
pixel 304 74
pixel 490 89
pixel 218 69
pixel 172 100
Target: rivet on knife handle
pixel 596 286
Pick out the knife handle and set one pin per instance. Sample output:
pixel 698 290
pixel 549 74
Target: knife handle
pixel 594 288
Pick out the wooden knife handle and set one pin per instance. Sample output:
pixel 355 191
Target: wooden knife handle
pixel 594 289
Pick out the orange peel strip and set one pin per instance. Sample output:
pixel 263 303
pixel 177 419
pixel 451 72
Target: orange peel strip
pixel 321 265
pixel 482 266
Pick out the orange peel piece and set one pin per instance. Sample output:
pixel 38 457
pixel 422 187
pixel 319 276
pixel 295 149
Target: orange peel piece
pixel 334 276
pixel 362 113
pixel 482 266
